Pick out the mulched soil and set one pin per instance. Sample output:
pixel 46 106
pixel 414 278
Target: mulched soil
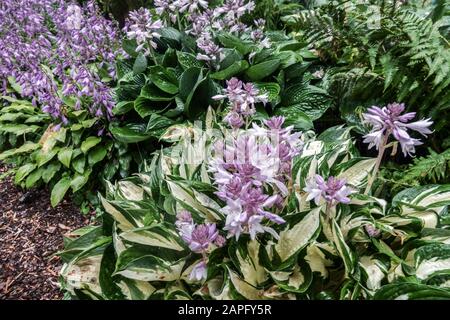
pixel 31 231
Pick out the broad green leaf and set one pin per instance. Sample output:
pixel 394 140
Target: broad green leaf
pixel 130 133
pixel 59 190
pixel 33 178
pixel 153 93
pixel 164 79
pixel 97 154
pixel 42 157
pixel 25 148
pixel 23 171
pixel 235 68
pixel 79 180
pixel 89 143
pixel 65 156
pixel 140 64
pixel 262 70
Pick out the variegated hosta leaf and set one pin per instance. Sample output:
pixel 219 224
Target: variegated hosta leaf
pixel 296 280
pixel 242 288
pixel 426 198
pixel 374 271
pixel 130 191
pixel 161 235
pixel 345 252
pixel 141 264
pixel 218 289
pixel 194 201
pixel 431 260
pixel 356 171
pixel 411 291
pixel 135 289
pixel 246 257
pixel 317 260
pixel 298 235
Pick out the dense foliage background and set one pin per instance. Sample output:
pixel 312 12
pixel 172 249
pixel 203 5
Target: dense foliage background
pixel 99 100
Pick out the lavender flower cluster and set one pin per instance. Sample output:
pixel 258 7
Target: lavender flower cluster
pixel 201 238
pixel 242 98
pixel 252 172
pixel 55 49
pixel 389 120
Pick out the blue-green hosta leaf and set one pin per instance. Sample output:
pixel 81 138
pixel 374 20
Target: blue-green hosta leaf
pixel 411 291
pixel 297 236
pixel 431 260
pixel 25 148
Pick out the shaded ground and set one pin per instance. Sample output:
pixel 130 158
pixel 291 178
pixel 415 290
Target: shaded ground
pixel 30 232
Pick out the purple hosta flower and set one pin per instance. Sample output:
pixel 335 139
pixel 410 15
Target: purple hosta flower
pixel 230 13
pixel 200 237
pixel 372 231
pixel 333 191
pixel 190 6
pixel 242 98
pixel 390 120
pixel 43 42
pixel 140 26
pixel 199 272
pixel 220 241
pixel 212 53
pixel 75 17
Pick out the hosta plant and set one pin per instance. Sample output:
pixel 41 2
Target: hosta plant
pixel 261 213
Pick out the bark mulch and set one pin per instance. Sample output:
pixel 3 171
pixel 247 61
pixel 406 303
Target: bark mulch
pixel 31 231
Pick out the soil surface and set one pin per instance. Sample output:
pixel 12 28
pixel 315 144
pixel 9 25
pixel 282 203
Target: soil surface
pixel 31 231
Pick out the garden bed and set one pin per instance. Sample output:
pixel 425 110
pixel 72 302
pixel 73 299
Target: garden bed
pixel 31 231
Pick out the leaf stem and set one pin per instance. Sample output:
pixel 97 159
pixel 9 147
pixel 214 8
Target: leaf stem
pixel 381 150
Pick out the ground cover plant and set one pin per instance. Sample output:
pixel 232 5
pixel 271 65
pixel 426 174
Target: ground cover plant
pixel 236 149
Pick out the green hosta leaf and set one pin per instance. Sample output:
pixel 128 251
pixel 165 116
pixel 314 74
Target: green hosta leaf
pixel 50 170
pixel 299 235
pixel 65 156
pixel 200 98
pixel 188 60
pixel 311 100
pixel 153 93
pixel 130 133
pixel 262 70
pixel 295 117
pixel 97 154
pixel 43 156
pixel 431 260
pixel 140 64
pixel 89 143
pixel 164 79
pixel 189 79
pixel 25 148
pixel 79 180
pixel 231 56
pixel 18 129
pixel 59 190
pixel 123 107
pixel 157 125
pixel 145 107
pixel 33 178
pixel 233 42
pixel 78 163
pixel 23 171
pixel 11 116
pixel 271 89
pixel 411 291
pixel 227 73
